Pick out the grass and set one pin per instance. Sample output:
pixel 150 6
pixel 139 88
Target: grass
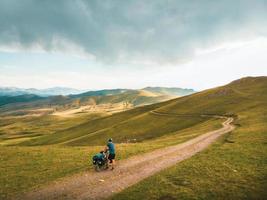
pixel 138 124
pixel 235 167
pixel 16 130
pixel 141 125
pixel 88 127
pixel 23 168
pixel 134 128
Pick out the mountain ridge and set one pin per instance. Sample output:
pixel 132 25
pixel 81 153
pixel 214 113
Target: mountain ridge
pixel 15 91
pixel 95 96
pixel 140 124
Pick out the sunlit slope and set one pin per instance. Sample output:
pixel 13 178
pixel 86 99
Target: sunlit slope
pixel 140 124
pixel 89 127
pixel 237 96
pixel 170 91
pixel 234 167
pixel 133 125
pixel 132 97
pixel 17 130
pixel 27 104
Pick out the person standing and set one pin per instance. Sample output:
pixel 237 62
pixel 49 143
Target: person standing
pixel 111 156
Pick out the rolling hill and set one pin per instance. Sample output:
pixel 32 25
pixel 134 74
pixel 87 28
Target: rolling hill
pixel 118 99
pixel 18 99
pixel 100 93
pixel 169 91
pixel 141 124
pixel 232 168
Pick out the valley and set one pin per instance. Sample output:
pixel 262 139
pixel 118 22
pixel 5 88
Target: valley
pixel 133 100
pixel 66 144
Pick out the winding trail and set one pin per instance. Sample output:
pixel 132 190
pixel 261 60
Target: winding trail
pixel 92 185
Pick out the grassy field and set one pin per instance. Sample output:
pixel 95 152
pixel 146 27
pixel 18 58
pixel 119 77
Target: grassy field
pixel 235 167
pixel 140 124
pixel 137 124
pixel 23 168
pixel 64 147
pixel 14 130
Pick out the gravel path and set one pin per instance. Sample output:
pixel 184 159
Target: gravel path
pixel 92 185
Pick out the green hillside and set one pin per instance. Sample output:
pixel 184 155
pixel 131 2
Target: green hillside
pixel 18 99
pixel 140 124
pixel 25 168
pixel 14 130
pixel 235 97
pixel 235 167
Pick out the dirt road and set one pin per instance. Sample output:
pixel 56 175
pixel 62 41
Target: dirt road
pixel 92 185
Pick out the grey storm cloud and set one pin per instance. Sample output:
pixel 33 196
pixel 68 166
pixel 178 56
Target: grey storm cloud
pixel 161 31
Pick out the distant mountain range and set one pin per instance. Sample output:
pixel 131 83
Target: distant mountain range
pixel 55 91
pixel 14 91
pixel 101 93
pixel 14 99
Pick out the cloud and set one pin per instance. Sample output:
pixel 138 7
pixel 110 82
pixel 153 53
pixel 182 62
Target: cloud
pixel 132 31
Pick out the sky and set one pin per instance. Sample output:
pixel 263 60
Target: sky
pixel 97 44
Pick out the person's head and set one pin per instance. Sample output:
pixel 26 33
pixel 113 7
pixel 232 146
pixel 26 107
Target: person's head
pixel 110 140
